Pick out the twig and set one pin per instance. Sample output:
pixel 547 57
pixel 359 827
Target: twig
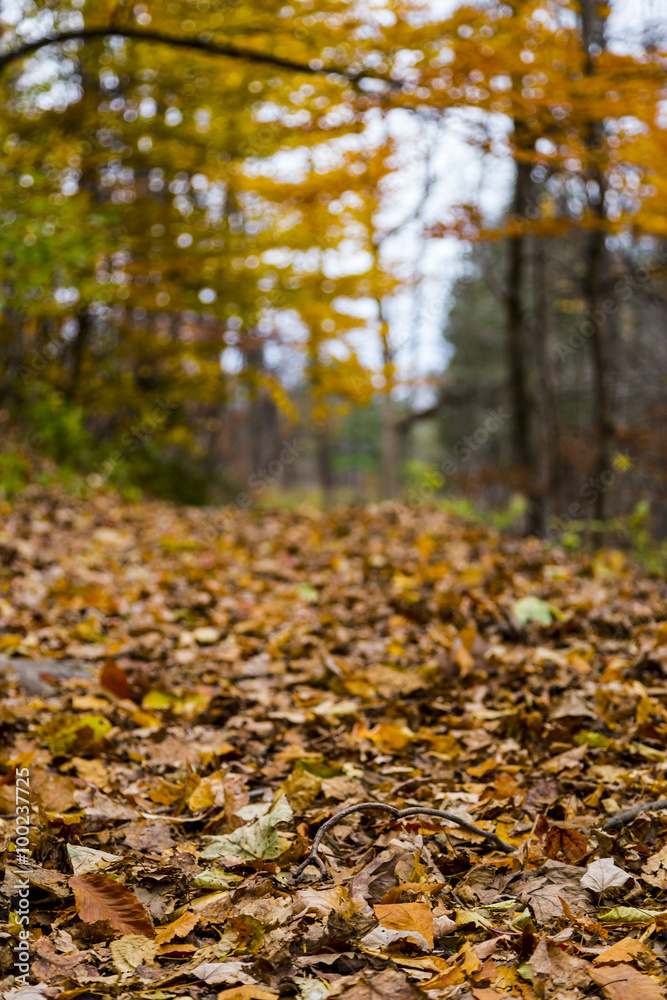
pixel 621 818
pixel 176 819
pixel 465 824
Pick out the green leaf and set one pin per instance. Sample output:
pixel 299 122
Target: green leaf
pixel 504 904
pixel 591 739
pixel 532 609
pixel 215 878
pixel 64 734
pixel 307 593
pixel 465 918
pixel 629 915
pixel 256 841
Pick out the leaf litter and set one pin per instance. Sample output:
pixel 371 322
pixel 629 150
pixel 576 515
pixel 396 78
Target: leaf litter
pixel 196 693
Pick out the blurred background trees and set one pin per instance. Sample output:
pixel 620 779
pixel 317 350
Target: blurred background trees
pixel 427 248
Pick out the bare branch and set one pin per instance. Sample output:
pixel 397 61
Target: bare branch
pixel 623 818
pixel 313 858
pixel 198 44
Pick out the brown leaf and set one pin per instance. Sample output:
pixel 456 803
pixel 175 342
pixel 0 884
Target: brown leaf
pixel 550 964
pixel 388 984
pixel 101 898
pixel 415 917
pixel 112 678
pixel 571 843
pixel 622 982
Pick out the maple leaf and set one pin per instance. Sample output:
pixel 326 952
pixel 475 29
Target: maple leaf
pixel 571 843
pixel 101 898
pixel 414 918
pixel 603 874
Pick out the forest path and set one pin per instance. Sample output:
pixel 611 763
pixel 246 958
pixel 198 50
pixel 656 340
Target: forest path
pixel 194 693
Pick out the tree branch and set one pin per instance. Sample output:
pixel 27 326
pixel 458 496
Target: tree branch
pixel 621 819
pixel 616 822
pixel 465 824
pixel 200 44
pixel 449 395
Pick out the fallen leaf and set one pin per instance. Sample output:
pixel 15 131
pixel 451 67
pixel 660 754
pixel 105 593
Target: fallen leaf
pixel 550 964
pixel 603 874
pixel 625 950
pixel 85 860
pixel 622 982
pixel 655 869
pixel 415 918
pixel 255 840
pixel 532 609
pixel 101 898
pixel 180 928
pixel 570 843
pixel 132 950
pixel 247 993
pixel 391 984
pixel 629 915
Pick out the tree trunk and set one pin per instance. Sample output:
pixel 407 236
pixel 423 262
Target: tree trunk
pixel 543 325
pixel 78 353
pixel 597 266
pixel 521 403
pixel 389 443
pixel 324 466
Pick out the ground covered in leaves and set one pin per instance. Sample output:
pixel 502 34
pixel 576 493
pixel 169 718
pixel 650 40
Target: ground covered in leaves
pixel 193 693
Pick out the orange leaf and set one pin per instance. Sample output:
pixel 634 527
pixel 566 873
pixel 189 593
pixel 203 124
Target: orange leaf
pixel 622 982
pixel 415 917
pixel 177 928
pixel 627 950
pixel 101 898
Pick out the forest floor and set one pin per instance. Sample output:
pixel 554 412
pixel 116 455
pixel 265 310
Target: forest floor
pixel 193 693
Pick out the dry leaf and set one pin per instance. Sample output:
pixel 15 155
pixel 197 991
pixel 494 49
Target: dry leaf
pixel 412 917
pixel 390 984
pixel 570 843
pixel 132 950
pixel 101 898
pixel 247 993
pixel 622 982
pixel 85 860
pixel 180 927
pixel 626 950
pixel 603 874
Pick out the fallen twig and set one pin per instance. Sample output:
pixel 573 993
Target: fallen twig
pixel 465 824
pixel 621 818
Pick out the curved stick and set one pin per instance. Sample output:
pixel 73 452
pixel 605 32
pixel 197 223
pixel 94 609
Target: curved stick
pixel 621 818
pixel 465 824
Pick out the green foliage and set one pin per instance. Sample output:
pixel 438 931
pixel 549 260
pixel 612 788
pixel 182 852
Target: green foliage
pixel 57 427
pixel 503 519
pixel 14 473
